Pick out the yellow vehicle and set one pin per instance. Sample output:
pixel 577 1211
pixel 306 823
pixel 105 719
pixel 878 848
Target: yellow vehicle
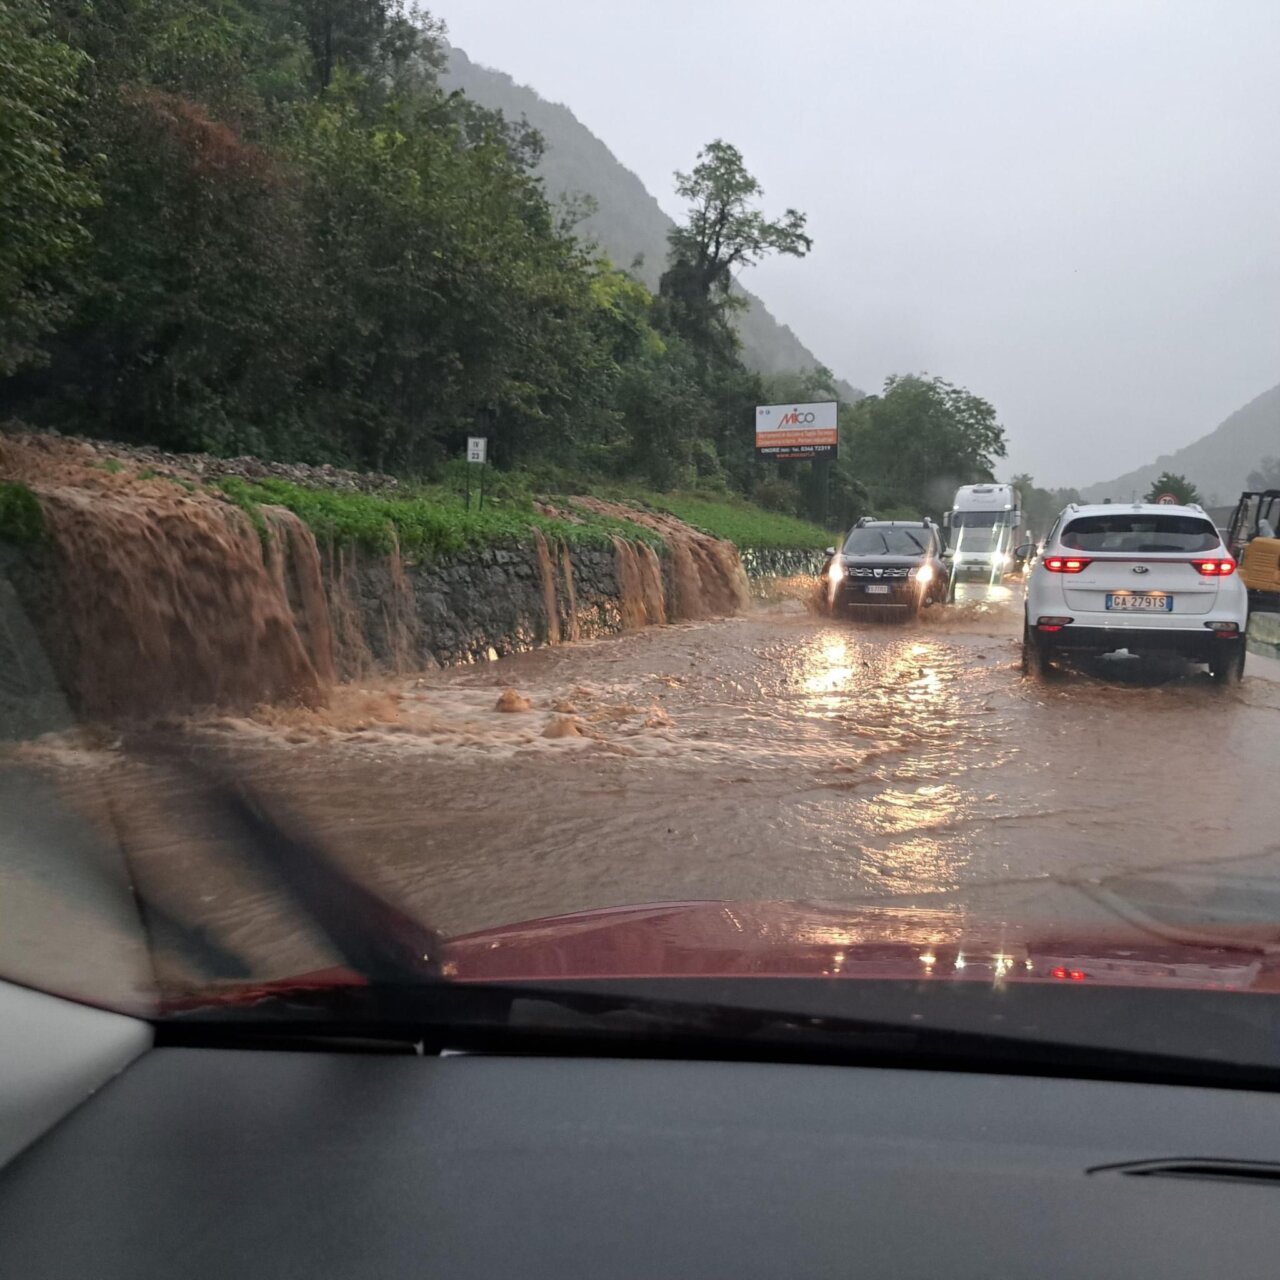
pixel 1253 541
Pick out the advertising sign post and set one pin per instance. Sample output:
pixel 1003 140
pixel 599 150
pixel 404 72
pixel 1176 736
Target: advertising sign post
pixel 796 431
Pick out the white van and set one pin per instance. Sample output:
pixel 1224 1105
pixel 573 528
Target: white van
pixel 984 529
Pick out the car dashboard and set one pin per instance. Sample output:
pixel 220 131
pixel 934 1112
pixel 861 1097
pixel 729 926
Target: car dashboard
pixel 132 1160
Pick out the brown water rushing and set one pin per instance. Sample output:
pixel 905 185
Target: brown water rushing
pixel 707 577
pixel 173 607
pixel 550 602
pixel 776 755
pixel 178 602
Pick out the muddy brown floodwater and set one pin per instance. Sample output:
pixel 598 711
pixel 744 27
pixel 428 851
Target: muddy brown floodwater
pixel 771 756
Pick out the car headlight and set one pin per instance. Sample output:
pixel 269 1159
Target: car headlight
pixel 836 570
pixel 923 574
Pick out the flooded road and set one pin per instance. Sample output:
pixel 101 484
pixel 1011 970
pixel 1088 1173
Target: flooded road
pixel 773 756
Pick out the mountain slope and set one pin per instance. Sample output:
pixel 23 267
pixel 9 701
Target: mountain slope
pixel 628 222
pixel 1217 464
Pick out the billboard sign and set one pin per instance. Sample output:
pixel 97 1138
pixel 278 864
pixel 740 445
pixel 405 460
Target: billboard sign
pixel 796 430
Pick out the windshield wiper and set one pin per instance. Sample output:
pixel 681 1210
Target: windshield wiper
pixel 580 1020
pixel 374 938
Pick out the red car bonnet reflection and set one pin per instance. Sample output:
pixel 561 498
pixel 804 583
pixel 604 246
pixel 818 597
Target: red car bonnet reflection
pixel 765 939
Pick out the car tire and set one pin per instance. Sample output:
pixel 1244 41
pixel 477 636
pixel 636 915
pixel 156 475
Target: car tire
pixel 951 589
pixel 1035 654
pixel 1226 663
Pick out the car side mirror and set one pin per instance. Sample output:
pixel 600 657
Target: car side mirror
pixel 830 551
pixel 1025 551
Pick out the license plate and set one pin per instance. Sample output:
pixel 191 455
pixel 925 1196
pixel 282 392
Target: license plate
pixel 1142 601
pixel 877 589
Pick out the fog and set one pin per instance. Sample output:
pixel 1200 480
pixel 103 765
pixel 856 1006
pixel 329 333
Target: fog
pixel 1071 209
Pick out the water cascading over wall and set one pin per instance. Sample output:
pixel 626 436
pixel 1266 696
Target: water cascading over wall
pixel 641 597
pixel 152 599
pixel 173 607
pixel 704 577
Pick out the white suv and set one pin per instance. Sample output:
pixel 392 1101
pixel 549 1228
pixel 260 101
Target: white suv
pixel 1141 577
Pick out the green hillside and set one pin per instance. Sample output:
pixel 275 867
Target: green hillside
pixel 628 222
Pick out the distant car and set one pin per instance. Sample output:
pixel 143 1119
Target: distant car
pixel 888 567
pixel 1143 577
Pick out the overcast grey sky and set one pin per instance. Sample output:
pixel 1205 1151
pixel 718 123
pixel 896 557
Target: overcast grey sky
pixel 1072 208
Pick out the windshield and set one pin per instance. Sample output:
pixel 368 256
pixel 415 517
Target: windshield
pixel 880 540
pixel 981 519
pixel 426 443
pixel 1140 533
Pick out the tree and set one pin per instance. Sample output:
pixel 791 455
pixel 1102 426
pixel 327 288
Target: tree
pixel 361 34
pixel 42 198
pixel 918 441
pixel 1267 476
pixel 1168 482
pixel 723 232
pixel 298 244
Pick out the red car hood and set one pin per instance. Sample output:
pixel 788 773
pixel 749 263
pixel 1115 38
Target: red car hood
pixel 780 939
pixel 798 940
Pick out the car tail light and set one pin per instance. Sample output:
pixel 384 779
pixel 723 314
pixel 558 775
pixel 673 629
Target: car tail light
pixel 1074 975
pixel 1052 623
pixel 1224 630
pixel 1215 568
pixel 1066 564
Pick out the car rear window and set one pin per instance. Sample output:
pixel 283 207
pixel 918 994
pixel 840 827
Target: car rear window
pixel 1136 532
pixel 872 541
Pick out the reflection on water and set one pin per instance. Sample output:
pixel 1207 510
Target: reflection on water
pixel 830 675
pixel 773 757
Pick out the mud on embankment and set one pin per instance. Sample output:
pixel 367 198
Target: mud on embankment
pixel 150 597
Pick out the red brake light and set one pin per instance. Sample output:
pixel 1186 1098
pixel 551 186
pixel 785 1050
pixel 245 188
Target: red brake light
pixel 1215 568
pixel 1065 564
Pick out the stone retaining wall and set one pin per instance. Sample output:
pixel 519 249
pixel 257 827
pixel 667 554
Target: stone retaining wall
pixel 766 563
pixel 384 614
pixel 478 605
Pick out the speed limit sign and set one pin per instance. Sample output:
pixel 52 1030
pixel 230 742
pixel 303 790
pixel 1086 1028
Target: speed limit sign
pixel 1168 499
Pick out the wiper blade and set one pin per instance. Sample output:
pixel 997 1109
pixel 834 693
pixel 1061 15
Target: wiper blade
pixel 377 940
pixel 577 1019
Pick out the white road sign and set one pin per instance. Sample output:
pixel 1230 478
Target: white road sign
pixel 477 448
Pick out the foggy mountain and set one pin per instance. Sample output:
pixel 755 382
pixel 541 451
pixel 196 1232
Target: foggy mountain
pixel 628 222
pixel 1217 464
